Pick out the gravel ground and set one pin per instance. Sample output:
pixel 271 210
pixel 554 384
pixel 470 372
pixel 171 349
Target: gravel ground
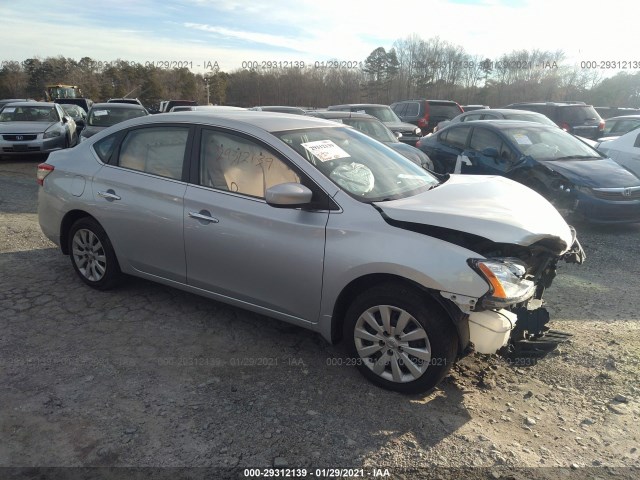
pixel 149 376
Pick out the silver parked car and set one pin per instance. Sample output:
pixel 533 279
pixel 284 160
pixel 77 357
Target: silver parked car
pixel 313 223
pixel 35 128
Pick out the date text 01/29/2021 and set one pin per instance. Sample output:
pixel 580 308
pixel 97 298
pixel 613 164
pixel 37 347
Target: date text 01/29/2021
pixel 316 473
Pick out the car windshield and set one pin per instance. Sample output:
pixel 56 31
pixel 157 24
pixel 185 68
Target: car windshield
pixel 373 128
pixel 549 144
pixel 382 113
pixel 105 116
pixel 361 166
pixel 28 114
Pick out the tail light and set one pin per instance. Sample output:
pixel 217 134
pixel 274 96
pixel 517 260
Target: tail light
pixel 44 169
pixel 565 126
pixel 601 125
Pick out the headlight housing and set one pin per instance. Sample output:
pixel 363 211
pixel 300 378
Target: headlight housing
pixel 417 131
pixel 51 134
pixel 506 279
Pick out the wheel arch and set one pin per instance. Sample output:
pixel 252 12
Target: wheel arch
pixel 67 221
pixel 361 284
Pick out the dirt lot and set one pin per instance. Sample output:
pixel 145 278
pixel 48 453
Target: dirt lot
pixel 149 376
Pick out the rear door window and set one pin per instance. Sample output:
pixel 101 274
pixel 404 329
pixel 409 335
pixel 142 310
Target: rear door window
pixel 456 137
pixel 413 109
pixel 157 150
pixel 399 108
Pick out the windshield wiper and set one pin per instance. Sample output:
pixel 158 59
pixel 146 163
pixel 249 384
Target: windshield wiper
pixel 575 157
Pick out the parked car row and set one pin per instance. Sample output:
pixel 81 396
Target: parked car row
pixel 565 170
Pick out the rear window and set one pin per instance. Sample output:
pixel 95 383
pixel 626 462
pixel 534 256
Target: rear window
pixel 578 113
pixel 446 110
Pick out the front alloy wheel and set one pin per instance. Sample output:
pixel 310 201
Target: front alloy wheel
pixel 392 343
pixel 400 338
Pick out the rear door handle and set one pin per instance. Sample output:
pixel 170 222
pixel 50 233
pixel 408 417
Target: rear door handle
pixel 109 195
pixel 203 215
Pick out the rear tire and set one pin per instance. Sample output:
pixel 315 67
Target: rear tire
pixel 92 254
pixel 399 338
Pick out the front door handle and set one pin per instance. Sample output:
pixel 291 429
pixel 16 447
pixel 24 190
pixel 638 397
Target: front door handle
pixel 203 215
pixel 109 195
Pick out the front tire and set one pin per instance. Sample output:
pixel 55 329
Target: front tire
pixel 400 339
pixel 92 254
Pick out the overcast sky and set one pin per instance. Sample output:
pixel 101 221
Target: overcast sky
pixel 234 31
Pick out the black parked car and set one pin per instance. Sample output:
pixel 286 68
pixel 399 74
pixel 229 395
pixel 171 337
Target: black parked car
pixel 426 113
pixel 566 171
pixel 410 133
pixel 499 114
pixel 103 115
pixel 373 127
pixel 574 117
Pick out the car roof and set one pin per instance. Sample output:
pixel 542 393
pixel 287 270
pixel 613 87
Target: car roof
pixel 268 121
pixel 623 117
pixel 35 103
pixel 360 105
pixel 111 105
pixel 509 111
pixel 339 114
pixel 499 124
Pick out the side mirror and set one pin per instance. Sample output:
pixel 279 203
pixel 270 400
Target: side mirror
pixel 490 152
pixel 80 122
pixel 65 120
pixel 288 195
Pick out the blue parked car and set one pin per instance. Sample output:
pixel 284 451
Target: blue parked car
pixel 572 175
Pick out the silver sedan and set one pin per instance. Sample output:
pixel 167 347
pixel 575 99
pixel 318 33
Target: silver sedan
pixel 313 223
pixel 35 128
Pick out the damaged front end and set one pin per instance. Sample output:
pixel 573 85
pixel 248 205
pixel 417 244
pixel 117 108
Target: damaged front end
pixel 511 317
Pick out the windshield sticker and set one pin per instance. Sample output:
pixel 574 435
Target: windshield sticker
pixel 9 110
pixel 522 139
pixel 325 150
pixel 100 113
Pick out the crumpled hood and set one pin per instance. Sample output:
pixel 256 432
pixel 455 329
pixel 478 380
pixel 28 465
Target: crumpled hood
pixel 24 127
pixel 602 173
pixel 492 207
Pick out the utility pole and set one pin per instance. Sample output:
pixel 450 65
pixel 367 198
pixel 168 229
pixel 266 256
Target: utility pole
pixel 206 82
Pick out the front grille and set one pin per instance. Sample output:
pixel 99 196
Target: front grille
pixel 15 150
pixel 19 138
pixel 617 194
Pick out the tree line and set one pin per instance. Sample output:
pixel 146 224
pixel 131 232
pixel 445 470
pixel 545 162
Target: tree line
pixel 411 68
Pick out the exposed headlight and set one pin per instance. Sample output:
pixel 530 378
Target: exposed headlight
pixel 51 134
pixel 505 277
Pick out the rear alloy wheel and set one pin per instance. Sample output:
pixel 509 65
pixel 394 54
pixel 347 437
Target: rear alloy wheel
pixel 92 255
pixel 400 340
